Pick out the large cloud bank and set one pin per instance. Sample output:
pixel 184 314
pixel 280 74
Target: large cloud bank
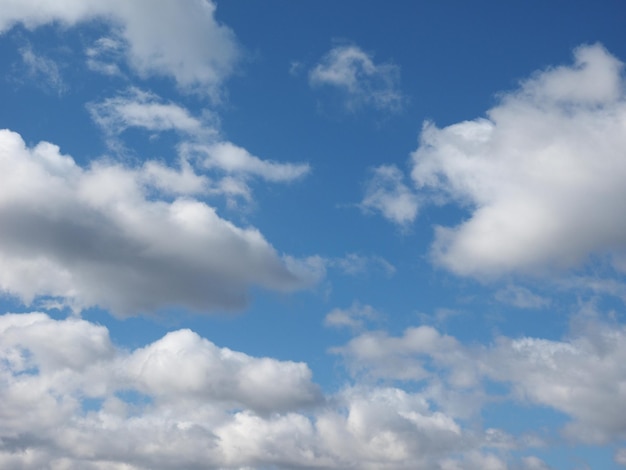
pixel 102 236
pixel 71 399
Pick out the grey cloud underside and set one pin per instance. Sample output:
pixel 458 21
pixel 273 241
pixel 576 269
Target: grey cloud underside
pixel 92 237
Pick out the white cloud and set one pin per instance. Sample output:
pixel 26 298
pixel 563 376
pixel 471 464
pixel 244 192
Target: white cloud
pixel 354 317
pixel 137 108
pixel 201 145
pixel 233 159
pixel 76 401
pixel 355 264
pixel 542 176
pixel 96 237
pixel 44 71
pixel 386 192
pixel 375 354
pixel 364 82
pixel 582 375
pixel 104 54
pixel 620 456
pixel 520 297
pixel 162 37
pixel 534 463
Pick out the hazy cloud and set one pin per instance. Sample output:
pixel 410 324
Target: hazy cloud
pixel 362 81
pixel 386 193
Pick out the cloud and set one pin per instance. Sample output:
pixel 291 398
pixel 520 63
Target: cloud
pixel 355 264
pixel 541 176
pixel 45 72
pixel 200 145
pixel 232 159
pixel 353 317
pixel 520 297
pixel 72 399
pixel 140 109
pixel 386 192
pixel 101 236
pixel 363 82
pixel 582 375
pixel 161 37
pixel 103 56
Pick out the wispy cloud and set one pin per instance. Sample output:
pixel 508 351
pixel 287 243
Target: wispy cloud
pixel 362 82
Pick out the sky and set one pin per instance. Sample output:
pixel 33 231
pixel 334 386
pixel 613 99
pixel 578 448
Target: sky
pixel 312 235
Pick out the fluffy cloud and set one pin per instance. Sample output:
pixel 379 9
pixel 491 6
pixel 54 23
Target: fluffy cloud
pixel 542 176
pixel 386 192
pixel 161 37
pixel 75 400
pixel 98 236
pixel 582 375
pixel 364 83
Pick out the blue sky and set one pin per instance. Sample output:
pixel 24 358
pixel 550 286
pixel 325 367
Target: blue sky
pixel 330 235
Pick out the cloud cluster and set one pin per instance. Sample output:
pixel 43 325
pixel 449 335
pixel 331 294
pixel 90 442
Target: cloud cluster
pixel 72 399
pixel 163 37
pixel 363 82
pixel 201 144
pixel 582 376
pixel 100 236
pixel 541 176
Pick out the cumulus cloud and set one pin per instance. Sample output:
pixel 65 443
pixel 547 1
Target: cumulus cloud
pixel 582 375
pixel 161 37
pixel 363 82
pixel 75 400
pixel 386 193
pixel 99 236
pixel 541 176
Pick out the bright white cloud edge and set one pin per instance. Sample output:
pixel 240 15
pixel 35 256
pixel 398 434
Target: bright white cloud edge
pixel 541 177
